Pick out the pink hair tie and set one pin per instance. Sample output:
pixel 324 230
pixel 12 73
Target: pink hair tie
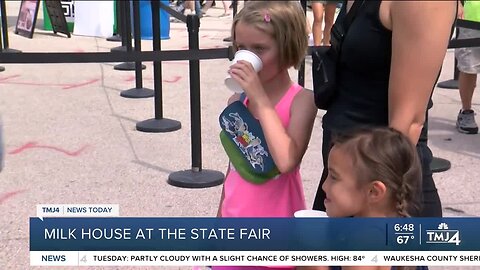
pixel 267 18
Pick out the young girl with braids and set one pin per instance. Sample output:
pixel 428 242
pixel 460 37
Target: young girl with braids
pixel 372 173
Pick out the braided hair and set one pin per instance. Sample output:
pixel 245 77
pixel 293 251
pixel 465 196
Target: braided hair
pixel 386 155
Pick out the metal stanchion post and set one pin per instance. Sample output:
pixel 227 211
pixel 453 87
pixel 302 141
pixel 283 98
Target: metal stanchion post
pixel 121 19
pixel 117 37
pixel 235 7
pixel 128 33
pixel 157 124
pixel 195 177
pixel 452 84
pixel 138 91
pixel 301 69
pixel 5 48
pixel 235 10
pixel 439 165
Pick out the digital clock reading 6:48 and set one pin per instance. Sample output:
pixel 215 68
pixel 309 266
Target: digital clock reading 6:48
pixel 408 227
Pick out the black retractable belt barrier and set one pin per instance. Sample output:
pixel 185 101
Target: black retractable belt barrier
pixel 460 43
pixel 121 19
pixel 128 38
pixel 138 91
pixel 157 124
pixel 117 37
pixel 196 177
pixel 104 57
pixel 4 32
pixel 301 69
pixel 468 24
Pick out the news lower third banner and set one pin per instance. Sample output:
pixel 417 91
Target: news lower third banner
pixel 131 241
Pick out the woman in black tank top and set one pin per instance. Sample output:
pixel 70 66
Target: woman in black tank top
pixel 389 63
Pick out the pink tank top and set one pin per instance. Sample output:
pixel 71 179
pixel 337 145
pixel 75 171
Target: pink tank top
pixel 279 197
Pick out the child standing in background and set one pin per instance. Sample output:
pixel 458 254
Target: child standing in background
pixel 276 32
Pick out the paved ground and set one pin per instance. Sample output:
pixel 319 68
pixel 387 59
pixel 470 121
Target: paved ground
pixel 70 137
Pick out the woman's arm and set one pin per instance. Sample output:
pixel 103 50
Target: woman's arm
pixel 420 36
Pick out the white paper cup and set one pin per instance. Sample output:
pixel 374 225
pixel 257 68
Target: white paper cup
pixel 246 56
pixel 310 213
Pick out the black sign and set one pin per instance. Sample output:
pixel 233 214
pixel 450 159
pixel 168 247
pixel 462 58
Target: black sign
pixel 27 18
pixel 57 16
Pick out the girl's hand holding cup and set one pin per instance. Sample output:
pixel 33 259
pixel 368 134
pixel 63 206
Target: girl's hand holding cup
pixel 243 72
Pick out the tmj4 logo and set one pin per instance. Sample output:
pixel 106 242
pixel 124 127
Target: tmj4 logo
pixel 443 235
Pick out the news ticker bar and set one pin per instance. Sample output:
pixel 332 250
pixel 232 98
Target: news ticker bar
pixel 254 234
pixel 245 258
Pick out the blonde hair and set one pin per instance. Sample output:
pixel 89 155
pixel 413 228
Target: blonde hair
pixel 284 21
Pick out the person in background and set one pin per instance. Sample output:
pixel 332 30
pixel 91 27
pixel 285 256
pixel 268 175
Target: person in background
pixel 226 7
pixel 319 8
pixel 390 61
pixel 181 5
pixel 469 66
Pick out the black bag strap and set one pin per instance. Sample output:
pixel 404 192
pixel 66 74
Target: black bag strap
pixel 343 23
pixel 351 14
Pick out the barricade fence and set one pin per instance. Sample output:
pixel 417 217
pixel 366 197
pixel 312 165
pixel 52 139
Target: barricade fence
pixel 196 177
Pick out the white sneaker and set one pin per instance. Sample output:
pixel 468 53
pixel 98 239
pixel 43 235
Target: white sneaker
pixel 466 122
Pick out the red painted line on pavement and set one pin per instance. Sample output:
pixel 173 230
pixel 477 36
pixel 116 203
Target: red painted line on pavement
pixel 5 196
pixel 9 77
pixel 63 85
pixel 31 145
pixel 23 147
pixel 172 80
pixel 81 84
pixel 130 78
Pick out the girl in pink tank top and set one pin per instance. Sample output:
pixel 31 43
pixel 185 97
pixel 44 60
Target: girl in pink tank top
pixel 276 32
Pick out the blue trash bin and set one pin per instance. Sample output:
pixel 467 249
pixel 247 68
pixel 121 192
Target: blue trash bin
pixel 146 31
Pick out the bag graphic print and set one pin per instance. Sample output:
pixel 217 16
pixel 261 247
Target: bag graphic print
pixel 244 142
